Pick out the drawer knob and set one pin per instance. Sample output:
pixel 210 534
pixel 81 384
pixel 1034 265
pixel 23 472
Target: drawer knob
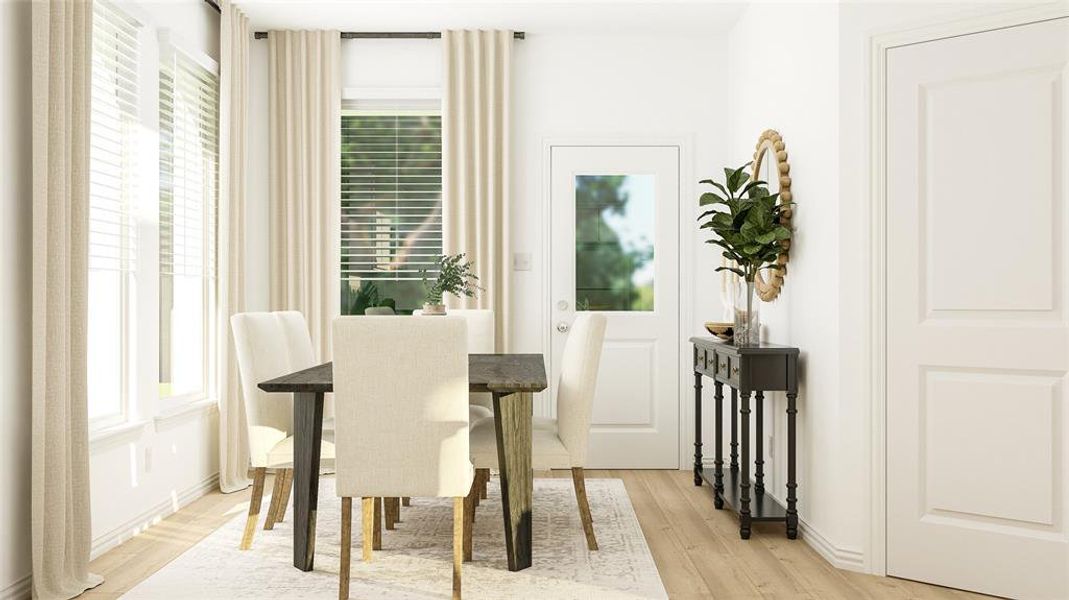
pixel 735 370
pixel 723 365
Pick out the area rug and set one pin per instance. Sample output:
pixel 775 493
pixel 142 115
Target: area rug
pixel 416 557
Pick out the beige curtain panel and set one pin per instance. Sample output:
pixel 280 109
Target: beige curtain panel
pixel 304 98
pixel 475 164
pixel 60 517
pixel 233 150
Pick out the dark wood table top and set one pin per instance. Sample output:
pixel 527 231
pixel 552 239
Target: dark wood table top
pixel 764 348
pixel 501 373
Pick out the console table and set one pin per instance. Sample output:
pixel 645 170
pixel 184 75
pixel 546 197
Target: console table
pixel 746 370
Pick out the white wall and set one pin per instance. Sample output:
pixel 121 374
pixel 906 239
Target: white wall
pixel 784 76
pixel 15 226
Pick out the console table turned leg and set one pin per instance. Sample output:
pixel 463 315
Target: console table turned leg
pixel 698 428
pixel 734 429
pixel 759 445
pixel 792 512
pixel 718 462
pixel 744 473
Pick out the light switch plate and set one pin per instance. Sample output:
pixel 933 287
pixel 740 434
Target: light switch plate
pixel 521 261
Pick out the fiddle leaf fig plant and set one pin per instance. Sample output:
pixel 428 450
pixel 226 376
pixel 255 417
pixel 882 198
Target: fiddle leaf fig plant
pixel 455 276
pixel 746 221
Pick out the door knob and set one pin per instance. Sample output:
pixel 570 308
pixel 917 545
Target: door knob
pixel 563 327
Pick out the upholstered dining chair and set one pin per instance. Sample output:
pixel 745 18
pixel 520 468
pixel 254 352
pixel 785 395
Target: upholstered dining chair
pixel 561 443
pixel 401 418
pixel 268 345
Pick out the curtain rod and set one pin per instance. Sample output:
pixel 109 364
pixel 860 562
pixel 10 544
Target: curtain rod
pixel 215 5
pixel 391 35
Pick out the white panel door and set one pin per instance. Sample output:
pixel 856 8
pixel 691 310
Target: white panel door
pixel 614 221
pixel 978 343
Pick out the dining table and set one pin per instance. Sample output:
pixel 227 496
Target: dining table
pixel 510 379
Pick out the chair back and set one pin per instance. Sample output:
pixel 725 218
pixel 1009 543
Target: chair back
pixel 379 311
pixel 578 378
pixel 268 345
pixel 480 327
pixel 401 407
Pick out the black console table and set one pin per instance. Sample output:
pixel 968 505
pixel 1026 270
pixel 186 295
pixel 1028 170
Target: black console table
pixel 746 370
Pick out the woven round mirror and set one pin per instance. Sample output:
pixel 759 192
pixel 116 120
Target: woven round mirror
pixel 770 165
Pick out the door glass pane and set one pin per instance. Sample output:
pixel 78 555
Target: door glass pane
pixel 614 242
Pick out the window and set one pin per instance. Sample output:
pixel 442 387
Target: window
pixel 189 159
pixel 391 204
pixel 113 131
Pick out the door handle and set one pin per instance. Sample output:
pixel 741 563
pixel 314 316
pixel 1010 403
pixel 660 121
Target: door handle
pixel 563 327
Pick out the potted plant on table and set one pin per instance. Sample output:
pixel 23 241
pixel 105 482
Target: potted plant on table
pixel 455 276
pixel 747 222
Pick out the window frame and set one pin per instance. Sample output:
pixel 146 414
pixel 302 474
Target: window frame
pixel 170 46
pixel 385 101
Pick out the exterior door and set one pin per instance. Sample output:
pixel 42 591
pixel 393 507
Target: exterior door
pixel 615 250
pixel 978 343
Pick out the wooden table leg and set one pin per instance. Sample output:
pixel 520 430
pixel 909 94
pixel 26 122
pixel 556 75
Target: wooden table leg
pixel 759 444
pixel 792 485
pixel 744 467
pixel 734 429
pixel 513 415
pixel 307 440
pixel 718 461
pixel 698 428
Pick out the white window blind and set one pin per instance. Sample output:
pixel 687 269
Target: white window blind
pixel 113 174
pixel 189 173
pixel 391 193
pixel 113 124
pixel 189 165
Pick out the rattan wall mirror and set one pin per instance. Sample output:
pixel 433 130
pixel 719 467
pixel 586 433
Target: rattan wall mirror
pixel 770 165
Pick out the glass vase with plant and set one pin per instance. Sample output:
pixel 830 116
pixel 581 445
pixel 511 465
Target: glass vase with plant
pixel 746 219
pixel 455 276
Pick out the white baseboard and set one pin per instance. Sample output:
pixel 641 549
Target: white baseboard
pixel 19 590
pixel 848 559
pixel 155 514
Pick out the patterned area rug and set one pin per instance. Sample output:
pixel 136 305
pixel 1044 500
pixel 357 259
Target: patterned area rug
pixel 416 557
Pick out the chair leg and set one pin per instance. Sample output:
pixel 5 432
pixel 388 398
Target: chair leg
pixel 579 480
pixel 469 519
pixel 391 506
pixel 276 498
pixel 484 480
pixel 258 475
pixel 459 526
pixel 346 547
pixel 368 522
pixel 406 501
pixel 281 516
pixel 376 534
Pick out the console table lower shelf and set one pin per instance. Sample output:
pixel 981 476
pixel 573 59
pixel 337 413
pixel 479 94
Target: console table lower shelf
pixel 763 507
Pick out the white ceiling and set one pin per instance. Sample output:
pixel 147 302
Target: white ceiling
pixel 589 16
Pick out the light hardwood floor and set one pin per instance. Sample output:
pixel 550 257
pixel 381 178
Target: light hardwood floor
pixel 697 548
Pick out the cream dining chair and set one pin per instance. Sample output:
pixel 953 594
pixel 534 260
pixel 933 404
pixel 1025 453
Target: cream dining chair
pixel 481 340
pixel 561 443
pixel 401 418
pixel 268 345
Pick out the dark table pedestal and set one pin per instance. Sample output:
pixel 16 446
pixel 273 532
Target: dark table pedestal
pixel 749 372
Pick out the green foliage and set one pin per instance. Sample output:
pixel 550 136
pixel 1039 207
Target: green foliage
pixel 748 225
pixel 604 268
pixel 455 276
pixel 367 296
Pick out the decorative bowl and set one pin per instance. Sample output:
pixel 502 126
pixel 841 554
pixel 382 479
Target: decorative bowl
pixel 724 331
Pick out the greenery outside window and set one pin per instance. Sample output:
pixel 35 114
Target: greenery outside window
pixel 391 203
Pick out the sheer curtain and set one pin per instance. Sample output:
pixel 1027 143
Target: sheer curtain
pixel 304 108
pixel 475 164
pixel 60 517
pixel 233 123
